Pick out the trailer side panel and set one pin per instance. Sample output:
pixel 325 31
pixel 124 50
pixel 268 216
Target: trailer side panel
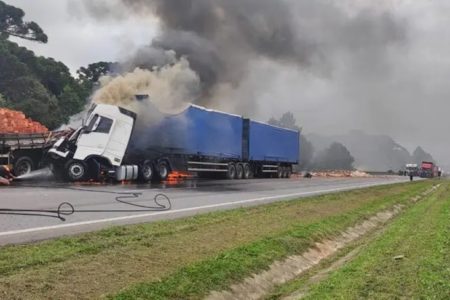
pixel 195 131
pixel 273 144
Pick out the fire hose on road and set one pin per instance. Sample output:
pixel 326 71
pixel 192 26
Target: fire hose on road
pixel 161 203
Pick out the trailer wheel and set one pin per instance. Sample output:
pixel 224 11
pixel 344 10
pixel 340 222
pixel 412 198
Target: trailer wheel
pixel 231 174
pixel 247 171
pixel 23 165
pixel 163 170
pixel 239 171
pixel 285 172
pixel 289 172
pixel 280 172
pixel 76 170
pixel 146 172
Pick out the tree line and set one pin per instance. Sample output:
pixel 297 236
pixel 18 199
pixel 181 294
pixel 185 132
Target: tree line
pixel 43 88
pixel 335 157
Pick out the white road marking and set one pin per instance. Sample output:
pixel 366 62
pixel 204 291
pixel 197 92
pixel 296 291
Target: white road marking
pixel 124 218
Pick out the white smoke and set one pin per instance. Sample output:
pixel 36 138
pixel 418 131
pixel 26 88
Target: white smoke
pixel 170 88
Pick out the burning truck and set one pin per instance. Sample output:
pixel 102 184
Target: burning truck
pixel 209 143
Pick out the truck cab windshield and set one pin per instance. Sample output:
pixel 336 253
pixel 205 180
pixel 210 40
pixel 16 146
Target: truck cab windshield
pixel 99 124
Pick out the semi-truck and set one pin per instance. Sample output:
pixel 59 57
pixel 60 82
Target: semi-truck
pixel 429 169
pixel 24 152
pixel 411 170
pixel 209 143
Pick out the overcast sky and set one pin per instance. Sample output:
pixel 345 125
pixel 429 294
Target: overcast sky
pixel 404 95
pixel 76 39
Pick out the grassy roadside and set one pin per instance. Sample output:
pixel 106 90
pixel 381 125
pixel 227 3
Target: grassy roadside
pixel 186 258
pixel 422 236
pixel 419 239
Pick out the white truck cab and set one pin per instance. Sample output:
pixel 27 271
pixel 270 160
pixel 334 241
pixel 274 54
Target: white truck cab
pixel 102 140
pixel 106 134
pixel 412 170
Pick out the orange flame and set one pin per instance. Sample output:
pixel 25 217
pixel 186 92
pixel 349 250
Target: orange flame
pixel 178 176
pixel 89 182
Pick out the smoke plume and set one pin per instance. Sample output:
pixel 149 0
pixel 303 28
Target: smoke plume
pixel 237 47
pixel 169 87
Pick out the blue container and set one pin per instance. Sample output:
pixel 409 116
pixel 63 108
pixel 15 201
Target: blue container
pixel 217 135
pixel 195 131
pixel 273 144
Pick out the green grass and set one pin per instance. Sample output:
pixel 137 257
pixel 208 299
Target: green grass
pixel 186 258
pixel 218 273
pixel 422 236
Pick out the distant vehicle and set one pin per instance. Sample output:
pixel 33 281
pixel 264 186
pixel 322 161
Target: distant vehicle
pixel 207 142
pixel 24 152
pixel 429 170
pixel 412 170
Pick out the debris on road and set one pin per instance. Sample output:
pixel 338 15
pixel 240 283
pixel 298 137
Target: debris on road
pixel 341 173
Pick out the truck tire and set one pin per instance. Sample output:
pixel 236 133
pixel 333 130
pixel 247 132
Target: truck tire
pixel 247 171
pixel 162 170
pixel 280 172
pixel 146 172
pixel 239 171
pixel 285 172
pixel 76 170
pixel 289 172
pixel 23 165
pixel 231 174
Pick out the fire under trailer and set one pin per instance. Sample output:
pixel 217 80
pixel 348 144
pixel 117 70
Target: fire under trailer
pixel 113 143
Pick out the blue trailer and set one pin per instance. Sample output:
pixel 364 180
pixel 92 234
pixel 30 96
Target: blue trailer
pixel 213 143
pixel 273 149
pixel 195 131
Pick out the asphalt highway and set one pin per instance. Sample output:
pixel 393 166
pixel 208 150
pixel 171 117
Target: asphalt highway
pixel 188 198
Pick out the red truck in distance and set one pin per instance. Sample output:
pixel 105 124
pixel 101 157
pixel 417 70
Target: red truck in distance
pixel 429 170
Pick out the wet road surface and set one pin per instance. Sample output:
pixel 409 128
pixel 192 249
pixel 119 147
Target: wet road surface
pixel 188 198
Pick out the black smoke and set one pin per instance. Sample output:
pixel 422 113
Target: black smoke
pixel 222 38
